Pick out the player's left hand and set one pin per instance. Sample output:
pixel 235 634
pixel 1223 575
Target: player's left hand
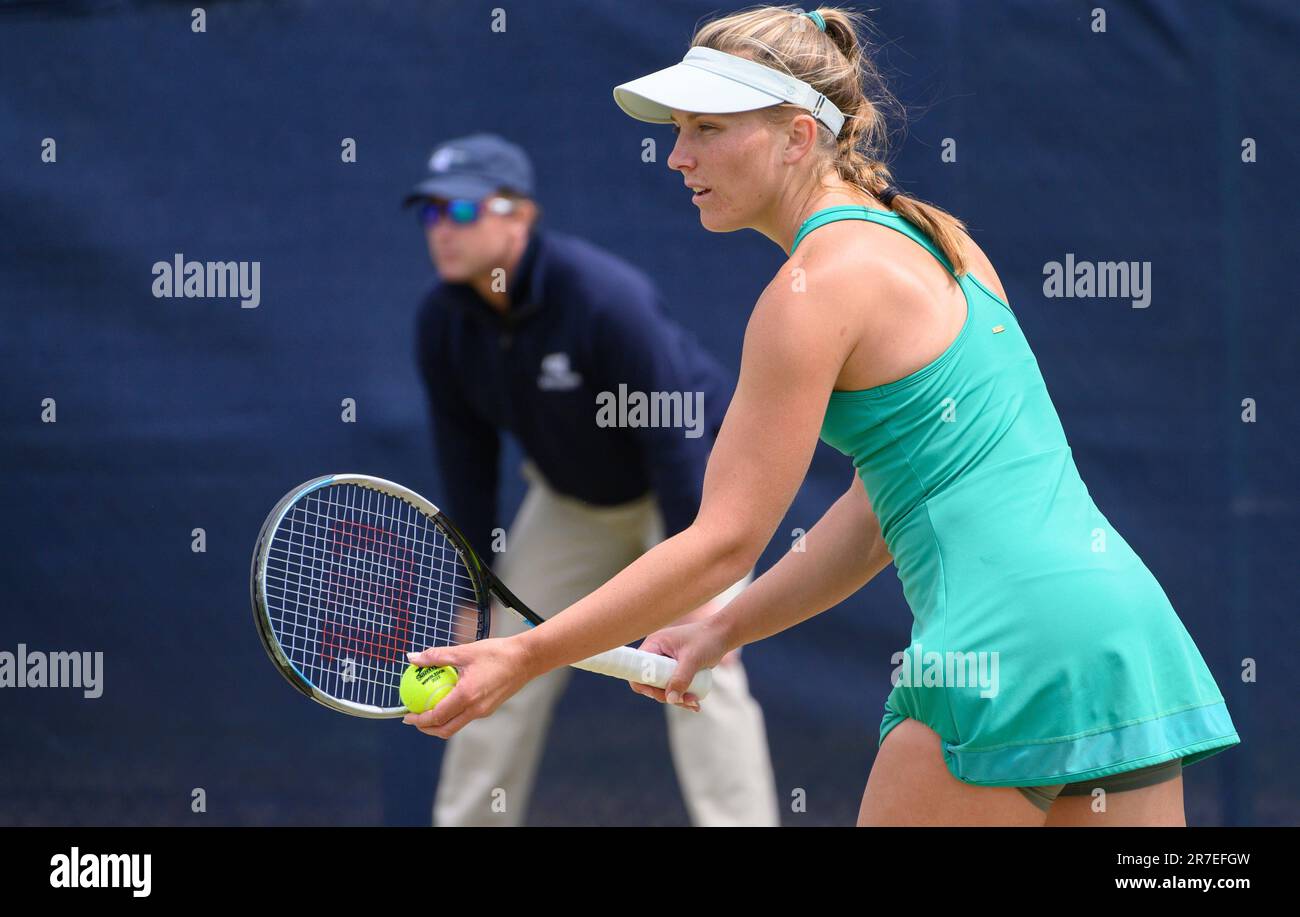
pixel 697 645
pixel 490 670
pixel 708 609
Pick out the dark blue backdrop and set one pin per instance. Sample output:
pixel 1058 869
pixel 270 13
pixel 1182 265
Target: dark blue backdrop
pixel 174 414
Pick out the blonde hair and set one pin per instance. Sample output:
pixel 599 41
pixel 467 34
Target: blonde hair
pixel 836 63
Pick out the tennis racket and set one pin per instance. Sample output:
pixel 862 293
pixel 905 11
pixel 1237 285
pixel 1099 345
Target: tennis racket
pixel 353 572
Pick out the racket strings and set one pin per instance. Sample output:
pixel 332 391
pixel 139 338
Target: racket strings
pixel 356 578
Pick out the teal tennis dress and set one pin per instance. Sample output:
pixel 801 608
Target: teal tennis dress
pixel 1043 651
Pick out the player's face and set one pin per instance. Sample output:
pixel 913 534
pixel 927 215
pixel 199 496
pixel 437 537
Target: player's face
pixel 463 251
pixel 735 157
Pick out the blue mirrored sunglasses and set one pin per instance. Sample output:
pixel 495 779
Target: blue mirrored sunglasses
pixel 461 210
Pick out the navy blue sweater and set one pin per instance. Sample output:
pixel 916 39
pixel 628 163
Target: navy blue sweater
pixel 581 322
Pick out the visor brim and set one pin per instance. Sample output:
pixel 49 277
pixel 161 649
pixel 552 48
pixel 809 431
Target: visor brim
pixel 682 87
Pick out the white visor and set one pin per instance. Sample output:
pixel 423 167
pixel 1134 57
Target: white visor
pixel 714 82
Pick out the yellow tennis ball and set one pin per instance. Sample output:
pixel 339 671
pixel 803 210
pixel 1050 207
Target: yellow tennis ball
pixel 422 688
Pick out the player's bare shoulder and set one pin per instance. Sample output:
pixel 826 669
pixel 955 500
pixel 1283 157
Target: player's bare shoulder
pixel 842 270
pixel 813 304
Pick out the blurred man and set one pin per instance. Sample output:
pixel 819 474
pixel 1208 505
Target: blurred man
pixel 551 339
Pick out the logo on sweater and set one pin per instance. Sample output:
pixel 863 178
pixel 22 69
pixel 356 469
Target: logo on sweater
pixel 556 375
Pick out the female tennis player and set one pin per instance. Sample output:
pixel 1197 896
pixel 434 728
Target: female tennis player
pixel 888 334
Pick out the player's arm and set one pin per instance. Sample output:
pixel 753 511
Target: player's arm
pixel 835 558
pixel 789 364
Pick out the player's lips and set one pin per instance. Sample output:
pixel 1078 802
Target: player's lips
pixel 700 191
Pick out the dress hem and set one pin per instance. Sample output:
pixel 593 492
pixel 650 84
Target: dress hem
pixel 1192 735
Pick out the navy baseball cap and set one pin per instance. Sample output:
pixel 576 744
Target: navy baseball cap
pixel 474 167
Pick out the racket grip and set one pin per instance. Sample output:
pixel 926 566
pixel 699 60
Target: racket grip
pixel 644 668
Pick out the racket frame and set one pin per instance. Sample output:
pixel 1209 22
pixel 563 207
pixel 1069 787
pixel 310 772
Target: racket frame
pixel 261 609
pixel 621 662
